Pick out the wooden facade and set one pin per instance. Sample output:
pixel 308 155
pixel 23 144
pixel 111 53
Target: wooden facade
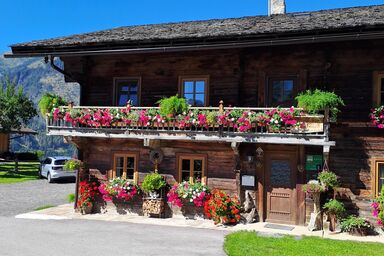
pixel 240 77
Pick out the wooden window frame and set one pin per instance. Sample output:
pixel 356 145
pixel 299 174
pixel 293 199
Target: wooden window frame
pixel 204 78
pixel 270 80
pixel 115 91
pixel 135 155
pixel 181 156
pixel 376 97
pixel 375 175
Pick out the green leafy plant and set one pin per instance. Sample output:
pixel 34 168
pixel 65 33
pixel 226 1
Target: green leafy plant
pixel 153 182
pixel 50 101
pixel 353 222
pixel 317 100
pixel 71 198
pixel 172 106
pixel 72 164
pixel 334 207
pixel 16 109
pixel 328 179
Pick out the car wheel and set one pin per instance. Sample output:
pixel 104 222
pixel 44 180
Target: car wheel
pixel 49 178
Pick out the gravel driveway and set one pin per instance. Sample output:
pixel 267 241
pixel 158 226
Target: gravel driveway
pixel 23 197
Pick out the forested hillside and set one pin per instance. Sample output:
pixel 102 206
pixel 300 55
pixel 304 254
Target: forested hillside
pixel 38 78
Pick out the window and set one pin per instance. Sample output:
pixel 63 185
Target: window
pixel 192 168
pixel 282 92
pixel 378 89
pixel 125 165
pixel 127 89
pixel 378 175
pixel 195 90
pixel 47 161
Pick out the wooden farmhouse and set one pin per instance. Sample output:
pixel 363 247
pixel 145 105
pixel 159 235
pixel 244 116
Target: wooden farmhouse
pixel 247 64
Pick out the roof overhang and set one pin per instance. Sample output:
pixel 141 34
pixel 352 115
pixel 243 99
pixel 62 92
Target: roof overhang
pixel 175 46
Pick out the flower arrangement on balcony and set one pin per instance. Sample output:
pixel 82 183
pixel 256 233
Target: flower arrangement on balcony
pixel 87 192
pixel 222 208
pixel 196 193
pixel 119 188
pixel 378 208
pixel 377 117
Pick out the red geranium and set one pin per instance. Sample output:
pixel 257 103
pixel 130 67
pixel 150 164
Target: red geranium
pixel 221 208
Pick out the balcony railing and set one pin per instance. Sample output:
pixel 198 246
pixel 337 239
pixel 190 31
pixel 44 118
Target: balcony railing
pixel 264 125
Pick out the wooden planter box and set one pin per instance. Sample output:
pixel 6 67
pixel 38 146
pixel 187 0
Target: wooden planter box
pixel 153 206
pixel 313 124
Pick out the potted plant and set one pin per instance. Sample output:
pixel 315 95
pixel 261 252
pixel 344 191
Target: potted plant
pixel 334 209
pixel 377 117
pixel 313 188
pixel 378 208
pixel 173 106
pixel 152 184
pixel 356 226
pixel 317 100
pixel 86 197
pixel 50 101
pixel 328 180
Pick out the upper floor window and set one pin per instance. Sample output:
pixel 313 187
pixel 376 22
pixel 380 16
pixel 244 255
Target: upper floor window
pixel 282 92
pixel 195 90
pixel 378 89
pixel 127 89
pixel 125 165
pixel 378 172
pixel 191 167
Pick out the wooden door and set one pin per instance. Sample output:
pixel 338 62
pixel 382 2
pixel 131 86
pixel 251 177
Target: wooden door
pixel 280 187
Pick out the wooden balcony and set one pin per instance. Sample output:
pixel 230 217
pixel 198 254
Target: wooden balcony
pixel 253 125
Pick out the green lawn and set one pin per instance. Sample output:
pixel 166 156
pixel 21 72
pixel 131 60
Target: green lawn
pixel 27 171
pixel 248 243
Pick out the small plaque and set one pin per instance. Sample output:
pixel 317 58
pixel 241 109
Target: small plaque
pixel 248 180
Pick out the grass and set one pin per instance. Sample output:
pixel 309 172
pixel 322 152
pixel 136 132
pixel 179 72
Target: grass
pixel 43 207
pixel 71 198
pixel 249 243
pixel 27 171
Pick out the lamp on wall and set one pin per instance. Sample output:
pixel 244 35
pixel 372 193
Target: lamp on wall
pixel 250 159
pixel 260 157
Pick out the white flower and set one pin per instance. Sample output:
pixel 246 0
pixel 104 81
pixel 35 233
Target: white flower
pixel 193 120
pixel 204 189
pixel 276 122
pixel 191 200
pixel 194 192
pixel 249 113
pixel 162 121
pixel 184 113
pixel 191 113
pixel 232 119
pixel 190 189
pixel 149 117
pixel 185 196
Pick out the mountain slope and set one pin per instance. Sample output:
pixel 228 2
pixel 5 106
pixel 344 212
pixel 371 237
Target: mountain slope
pixel 38 78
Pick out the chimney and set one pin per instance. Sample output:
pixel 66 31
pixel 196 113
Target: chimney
pixel 276 7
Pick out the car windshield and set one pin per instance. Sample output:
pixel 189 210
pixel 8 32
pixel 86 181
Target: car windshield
pixel 60 162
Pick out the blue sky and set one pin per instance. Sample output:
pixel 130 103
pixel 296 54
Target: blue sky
pixel 26 20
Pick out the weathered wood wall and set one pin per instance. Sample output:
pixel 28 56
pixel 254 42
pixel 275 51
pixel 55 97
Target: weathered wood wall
pixel 239 77
pixel 220 158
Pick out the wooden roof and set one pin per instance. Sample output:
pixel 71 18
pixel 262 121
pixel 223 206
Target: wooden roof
pixel 194 32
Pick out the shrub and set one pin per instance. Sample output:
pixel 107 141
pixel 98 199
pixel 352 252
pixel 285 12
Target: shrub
pixel 71 198
pixel 353 222
pixel 173 106
pixel 119 188
pixel 153 182
pixel 72 164
pixel 334 207
pixel 50 101
pixel 378 208
pixel 328 179
pixel 315 101
pixel 221 208
pixel 197 193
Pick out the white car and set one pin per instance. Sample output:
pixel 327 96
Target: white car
pixel 52 169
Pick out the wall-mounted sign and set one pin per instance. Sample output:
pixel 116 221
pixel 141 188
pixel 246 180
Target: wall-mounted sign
pixel 248 180
pixel 313 162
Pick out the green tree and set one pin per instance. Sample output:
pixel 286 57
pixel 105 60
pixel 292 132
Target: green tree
pixel 15 108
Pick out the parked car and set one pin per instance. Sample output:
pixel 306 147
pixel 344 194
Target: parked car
pixel 52 169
